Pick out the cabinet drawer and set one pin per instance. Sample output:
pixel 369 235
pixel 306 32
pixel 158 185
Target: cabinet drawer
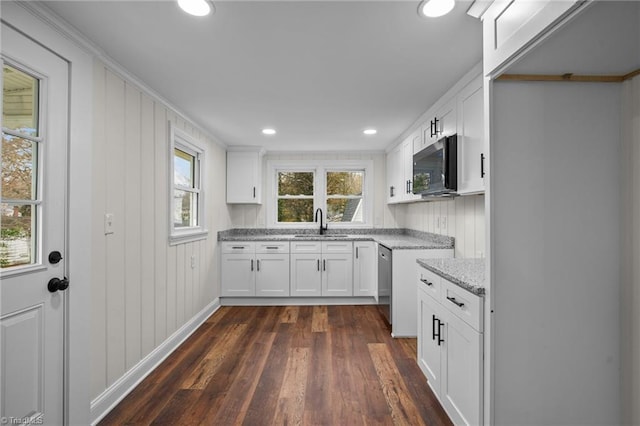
pixel 463 304
pixel 337 247
pixel 306 247
pixel 238 247
pixel 429 282
pixel 272 247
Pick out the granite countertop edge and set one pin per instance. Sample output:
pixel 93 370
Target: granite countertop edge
pixel 465 273
pixel 396 239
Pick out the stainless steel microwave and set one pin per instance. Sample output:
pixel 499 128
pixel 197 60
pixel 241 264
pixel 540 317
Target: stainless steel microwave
pixel 435 168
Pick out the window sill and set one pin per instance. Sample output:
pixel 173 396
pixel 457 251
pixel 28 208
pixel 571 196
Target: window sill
pixel 188 237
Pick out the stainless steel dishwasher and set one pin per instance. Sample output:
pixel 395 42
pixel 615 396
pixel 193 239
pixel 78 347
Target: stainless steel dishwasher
pixel 384 280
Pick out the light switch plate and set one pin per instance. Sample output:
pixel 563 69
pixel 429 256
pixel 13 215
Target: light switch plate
pixel 108 224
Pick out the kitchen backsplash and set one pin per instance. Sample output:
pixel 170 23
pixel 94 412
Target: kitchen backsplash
pixel 462 218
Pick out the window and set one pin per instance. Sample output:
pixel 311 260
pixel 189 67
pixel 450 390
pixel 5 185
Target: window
pixel 339 188
pixel 295 196
pixel 21 194
pixel 186 171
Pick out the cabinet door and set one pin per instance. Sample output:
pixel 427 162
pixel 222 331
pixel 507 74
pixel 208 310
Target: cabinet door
pixel 429 350
pixel 238 275
pixel 395 173
pixel 337 274
pixel 407 160
pixel 365 269
pixel 461 386
pixel 244 175
pixel 272 275
pixel 306 275
pixel 511 26
pixel 471 138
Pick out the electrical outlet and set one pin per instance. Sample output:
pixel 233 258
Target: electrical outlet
pixel 108 224
pixel 438 223
pixel 443 223
pixel 193 262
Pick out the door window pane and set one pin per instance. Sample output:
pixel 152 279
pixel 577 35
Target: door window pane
pixel 17 229
pixel 19 101
pixel 19 159
pixel 295 210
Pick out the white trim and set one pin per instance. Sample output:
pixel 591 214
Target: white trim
pixel 297 301
pixel 69 32
pixel 107 400
pixel 320 167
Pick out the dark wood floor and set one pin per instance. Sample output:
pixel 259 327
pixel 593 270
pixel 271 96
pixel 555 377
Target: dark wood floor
pixel 335 365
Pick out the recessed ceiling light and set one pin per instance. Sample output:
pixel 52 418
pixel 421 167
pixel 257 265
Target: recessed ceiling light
pixel 435 8
pixel 370 132
pixel 196 7
pixel 269 131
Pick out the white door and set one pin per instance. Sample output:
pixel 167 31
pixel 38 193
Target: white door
pixel 238 275
pixel 32 219
pixel 306 276
pixel 337 274
pixel 272 275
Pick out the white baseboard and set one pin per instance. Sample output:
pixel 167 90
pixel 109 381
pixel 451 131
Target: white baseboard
pixel 296 301
pixel 107 400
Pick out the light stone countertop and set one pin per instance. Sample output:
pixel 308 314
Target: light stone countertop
pixel 395 239
pixel 466 273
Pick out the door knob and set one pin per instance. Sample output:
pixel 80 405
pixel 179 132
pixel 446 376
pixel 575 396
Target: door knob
pixel 56 284
pixel 55 257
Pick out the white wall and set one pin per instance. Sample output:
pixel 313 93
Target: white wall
pixel 143 290
pixel 462 218
pixel 630 292
pixel 555 206
pixel 255 216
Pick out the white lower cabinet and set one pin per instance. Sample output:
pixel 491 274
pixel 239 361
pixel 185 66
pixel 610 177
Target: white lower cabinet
pixel 252 269
pixel 365 269
pixel 322 268
pixel 450 346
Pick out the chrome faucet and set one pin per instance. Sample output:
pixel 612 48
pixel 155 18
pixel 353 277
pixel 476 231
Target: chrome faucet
pixel 322 228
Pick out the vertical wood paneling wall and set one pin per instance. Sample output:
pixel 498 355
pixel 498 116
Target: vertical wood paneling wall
pixel 462 218
pixel 143 290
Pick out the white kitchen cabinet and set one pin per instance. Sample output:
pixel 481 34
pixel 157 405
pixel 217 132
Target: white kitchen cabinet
pixel 400 172
pixel 244 177
pixel 450 346
pixel 272 275
pixel 444 123
pixel 404 292
pixel 395 175
pixel 470 106
pixel 365 269
pixel 252 269
pixel 322 268
pixel 510 27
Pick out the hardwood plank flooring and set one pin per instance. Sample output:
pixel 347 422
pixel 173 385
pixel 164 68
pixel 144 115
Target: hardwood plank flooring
pixel 295 365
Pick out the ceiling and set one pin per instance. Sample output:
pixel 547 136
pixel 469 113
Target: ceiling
pixel 319 72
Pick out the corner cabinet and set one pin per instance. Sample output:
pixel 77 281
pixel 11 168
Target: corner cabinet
pixel 244 176
pixel 450 346
pixel 511 26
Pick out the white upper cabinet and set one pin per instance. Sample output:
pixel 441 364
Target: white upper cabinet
pixel 511 26
pixel 470 103
pixel 400 171
pixel 244 176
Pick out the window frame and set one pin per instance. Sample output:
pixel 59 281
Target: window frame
pixel 320 169
pixel 181 140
